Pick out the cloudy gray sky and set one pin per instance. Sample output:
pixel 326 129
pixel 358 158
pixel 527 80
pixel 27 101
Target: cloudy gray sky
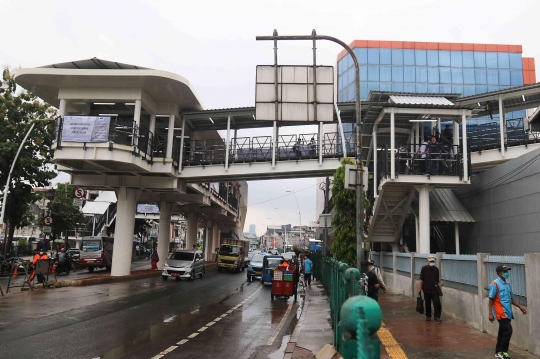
pixel 212 44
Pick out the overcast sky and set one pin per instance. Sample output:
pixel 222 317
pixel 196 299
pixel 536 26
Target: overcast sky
pixel 212 44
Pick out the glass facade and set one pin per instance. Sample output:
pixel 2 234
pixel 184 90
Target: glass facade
pixel 430 71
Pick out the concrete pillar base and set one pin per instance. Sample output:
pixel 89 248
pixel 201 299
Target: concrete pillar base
pixel 123 237
pixel 164 234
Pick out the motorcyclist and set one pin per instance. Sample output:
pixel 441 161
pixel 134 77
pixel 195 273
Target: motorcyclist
pixel 63 263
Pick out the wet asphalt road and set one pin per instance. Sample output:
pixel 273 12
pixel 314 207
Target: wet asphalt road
pixel 143 318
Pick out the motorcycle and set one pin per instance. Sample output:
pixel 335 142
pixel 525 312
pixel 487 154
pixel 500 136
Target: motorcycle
pixel 62 267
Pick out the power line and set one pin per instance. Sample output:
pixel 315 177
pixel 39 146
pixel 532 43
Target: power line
pixel 273 199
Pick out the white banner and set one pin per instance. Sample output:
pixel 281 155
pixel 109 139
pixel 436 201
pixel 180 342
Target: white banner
pixel 147 208
pixel 85 129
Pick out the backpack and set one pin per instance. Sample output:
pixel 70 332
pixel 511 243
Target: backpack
pixel 364 279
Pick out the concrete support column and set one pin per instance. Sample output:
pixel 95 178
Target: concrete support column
pixel 532 265
pixel 170 137
pixel 208 242
pixel 417 140
pixel 417 231
pixel 413 280
pixel 455 129
pixel 216 233
pixel 456 234
pixel 164 234
pixel 152 129
pixel 62 108
pixel 137 121
pixel 123 237
pixel 423 214
pixel 191 233
pixel 320 138
pixel 227 142
pixel 482 293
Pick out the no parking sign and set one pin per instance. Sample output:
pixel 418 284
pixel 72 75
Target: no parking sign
pixel 78 192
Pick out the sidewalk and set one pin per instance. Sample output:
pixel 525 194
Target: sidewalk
pixel 451 339
pixel 407 332
pixel 314 329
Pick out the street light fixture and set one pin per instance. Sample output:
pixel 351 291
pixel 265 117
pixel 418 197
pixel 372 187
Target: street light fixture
pixel 6 188
pixel 299 214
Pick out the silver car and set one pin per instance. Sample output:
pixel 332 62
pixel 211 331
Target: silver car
pixel 184 264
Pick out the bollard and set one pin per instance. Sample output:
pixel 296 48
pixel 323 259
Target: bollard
pixel 361 318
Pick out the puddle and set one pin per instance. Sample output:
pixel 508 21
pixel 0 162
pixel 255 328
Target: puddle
pixel 278 354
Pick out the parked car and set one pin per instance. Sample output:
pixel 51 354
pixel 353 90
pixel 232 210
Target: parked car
pixel 255 267
pixel 184 264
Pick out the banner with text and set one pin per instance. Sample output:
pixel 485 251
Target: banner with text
pixel 86 129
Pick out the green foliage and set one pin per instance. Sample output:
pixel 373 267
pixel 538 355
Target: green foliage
pixel 18 110
pixel 65 215
pixel 344 243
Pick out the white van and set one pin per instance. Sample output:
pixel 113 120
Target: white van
pixel 96 252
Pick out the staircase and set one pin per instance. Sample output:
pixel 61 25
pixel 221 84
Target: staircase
pixel 102 221
pixel 390 209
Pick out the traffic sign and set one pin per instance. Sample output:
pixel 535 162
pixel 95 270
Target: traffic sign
pixel 46 229
pixel 47 220
pixel 78 193
pixel 77 202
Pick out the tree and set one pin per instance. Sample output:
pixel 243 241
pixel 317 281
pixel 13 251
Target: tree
pixel 18 109
pixel 65 215
pixel 344 200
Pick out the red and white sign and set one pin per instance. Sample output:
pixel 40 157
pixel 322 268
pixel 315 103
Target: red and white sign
pixel 78 193
pixel 47 220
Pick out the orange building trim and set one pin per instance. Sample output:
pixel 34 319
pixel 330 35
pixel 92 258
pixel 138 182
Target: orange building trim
pixel 451 46
pixel 529 71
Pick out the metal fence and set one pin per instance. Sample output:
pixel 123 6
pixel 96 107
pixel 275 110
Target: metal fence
pixel 459 271
pixel 420 260
pixel 517 276
pixel 342 283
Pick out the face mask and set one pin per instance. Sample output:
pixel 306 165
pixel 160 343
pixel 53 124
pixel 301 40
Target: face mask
pixel 506 275
pixel 431 264
pixel 41 253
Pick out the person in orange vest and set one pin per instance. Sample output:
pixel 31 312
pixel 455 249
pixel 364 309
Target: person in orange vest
pixel 37 256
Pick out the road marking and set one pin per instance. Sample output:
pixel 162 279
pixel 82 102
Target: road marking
pixel 203 329
pixel 217 319
pixel 390 344
pixel 193 335
pixel 210 324
pixel 170 349
pixel 183 341
pixel 229 311
pixel 157 357
pixel 281 324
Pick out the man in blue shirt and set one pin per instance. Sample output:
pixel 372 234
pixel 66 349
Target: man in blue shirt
pixel 308 268
pixel 501 299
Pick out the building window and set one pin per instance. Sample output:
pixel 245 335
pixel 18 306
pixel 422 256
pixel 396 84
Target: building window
pixel 480 77
pixel 373 73
pixel 444 58
pixel 397 87
pixel 386 86
pixel 492 77
pixel 433 58
pixel 386 73
pixel 491 60
pixel 397 74
pixel 445 75
pixel 468 76
pixel 479 59
pixel 433 75
pixel 373 56
pixel 421 74
pixel 408 57
pixel 456 59
pixel 457 76
pixel 516 78
pixel 422 88
pixel 504 77
pixel 445 88
pixel 515 61
pixel 363 73
pixel 385 57
pixel 468 59
pixel 409 88
pixel 503 60
pixel 433 88
pixel 397 57
pixel 420 57
pixel 409 74
pixel 361 55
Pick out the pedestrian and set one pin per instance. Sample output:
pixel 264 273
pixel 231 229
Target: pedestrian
pixel 429 279
pixel 377 271
pixel 422 151
pixel 38 255
pixel 434 150
pixel 308 270
pixel 155 259
pixel 501 299
pixel 217 253
pixel 373 284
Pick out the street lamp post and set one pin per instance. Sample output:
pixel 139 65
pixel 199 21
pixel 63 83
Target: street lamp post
pixel 6 188
pixel 299 214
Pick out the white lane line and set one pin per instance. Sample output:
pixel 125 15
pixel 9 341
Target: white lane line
pixel 217 319
pixel 170 349
pixel 281 324
pixel 210 324
pixel 183 341
pixel 223 316
pixel 203 329
pixel 157 356
pixel 193 335
pixel 229 311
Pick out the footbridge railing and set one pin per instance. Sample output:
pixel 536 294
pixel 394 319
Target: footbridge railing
pixel 355 317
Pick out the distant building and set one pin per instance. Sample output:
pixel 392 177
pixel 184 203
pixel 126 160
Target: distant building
pixel 252 230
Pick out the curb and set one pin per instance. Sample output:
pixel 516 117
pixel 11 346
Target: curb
pixel 299 326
